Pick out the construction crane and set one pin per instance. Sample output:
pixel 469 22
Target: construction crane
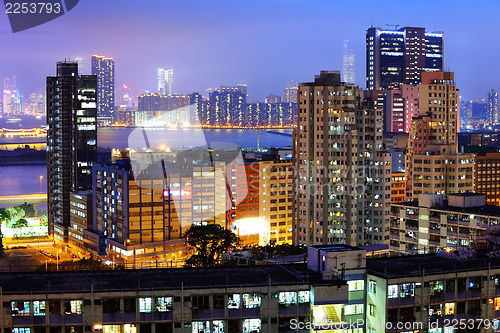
pixel 393 25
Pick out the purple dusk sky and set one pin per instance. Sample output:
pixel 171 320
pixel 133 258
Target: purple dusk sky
pixel 262 43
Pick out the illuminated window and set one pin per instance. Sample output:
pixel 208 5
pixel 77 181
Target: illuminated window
pixel 251 325
pixel 251 301
pixel 145 304
pixel 288 297
pixel 435 310
pixel 234 301
pixel 449 309
pixel 354 309
pixel 20 308
pixel 200 326
pixel 73 307
pixel 163 304
pixel 372 286
pixel 497 303
pixel 436 287
pixel 129 328
pixel 218 326
pixel 21 330
pixel 356 285
pixel 111 328
pixel 407 290
pixel 39 308
pixel 392 291
pixel 304 296
pixel 372 309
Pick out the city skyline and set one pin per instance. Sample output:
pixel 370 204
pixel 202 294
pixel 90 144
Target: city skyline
pixel 236 57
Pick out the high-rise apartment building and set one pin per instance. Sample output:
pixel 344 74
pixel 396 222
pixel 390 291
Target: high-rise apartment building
pixel 432 162
pixel 274 114
pixel 342 172
pixel 227 106
pixel 71 141
pixel 349 65
pixel 104 69
pixel 290 92
pixel 165 81
pixel 399 104
pixel 400 56
pixel 492 107
pixel 487 176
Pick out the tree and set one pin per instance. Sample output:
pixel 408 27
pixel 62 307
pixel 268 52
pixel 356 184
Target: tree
pixel 42 214
pixel 20 223
pixel 16 213
pixel 209 242
pixel 29 210
pixel 4 217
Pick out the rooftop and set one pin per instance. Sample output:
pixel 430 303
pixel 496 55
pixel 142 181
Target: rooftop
pixel 159 279
pixel 335 248
pixel 481 210
pixel 393 267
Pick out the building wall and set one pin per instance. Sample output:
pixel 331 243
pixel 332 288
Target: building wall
pixel 325 149
pixel 442 174
pixel 398 183
pixel 276 199
pixel 223 308
pixel 430 229
pixel 487 177
pixel 342 194
pixel 71 141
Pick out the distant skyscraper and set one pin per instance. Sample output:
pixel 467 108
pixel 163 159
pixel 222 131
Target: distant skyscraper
pixel 11 101
pixel 399 104
pixel 71 141
pixel 227 106
pixel 81 66
pixel 290 92
pixel 165 81
pixel 273 99
pixel 104 69
pixel 492 107
pixel 348 72
pixel 400 56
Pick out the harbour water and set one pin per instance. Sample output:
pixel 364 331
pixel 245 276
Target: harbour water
pixel 25 179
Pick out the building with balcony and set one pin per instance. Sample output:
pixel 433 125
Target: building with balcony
pixel 432 224
pixel 238 299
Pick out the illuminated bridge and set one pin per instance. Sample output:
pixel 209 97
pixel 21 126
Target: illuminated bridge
pixel 35 199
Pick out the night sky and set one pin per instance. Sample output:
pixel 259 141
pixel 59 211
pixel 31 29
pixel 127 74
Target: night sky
pixel 262 43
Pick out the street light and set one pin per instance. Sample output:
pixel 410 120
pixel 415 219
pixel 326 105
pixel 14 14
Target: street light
pixel 41 179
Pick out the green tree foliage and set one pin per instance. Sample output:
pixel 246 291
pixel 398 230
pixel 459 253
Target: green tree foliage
pixel 29 210
pixel 208 242
pixel 42 214
pixel 20 223
pixel 16 213
pixel 80 265
pixel 4 215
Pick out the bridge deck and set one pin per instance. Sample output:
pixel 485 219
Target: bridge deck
pixel 20 199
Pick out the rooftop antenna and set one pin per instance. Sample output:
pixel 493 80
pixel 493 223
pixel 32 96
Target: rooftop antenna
pixel 393 25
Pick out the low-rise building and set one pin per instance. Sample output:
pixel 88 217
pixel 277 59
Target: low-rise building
pixel 429 293
pixel 243 299
pixel 432 224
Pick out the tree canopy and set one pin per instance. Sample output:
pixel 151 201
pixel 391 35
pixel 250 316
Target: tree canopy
pixel 208 242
